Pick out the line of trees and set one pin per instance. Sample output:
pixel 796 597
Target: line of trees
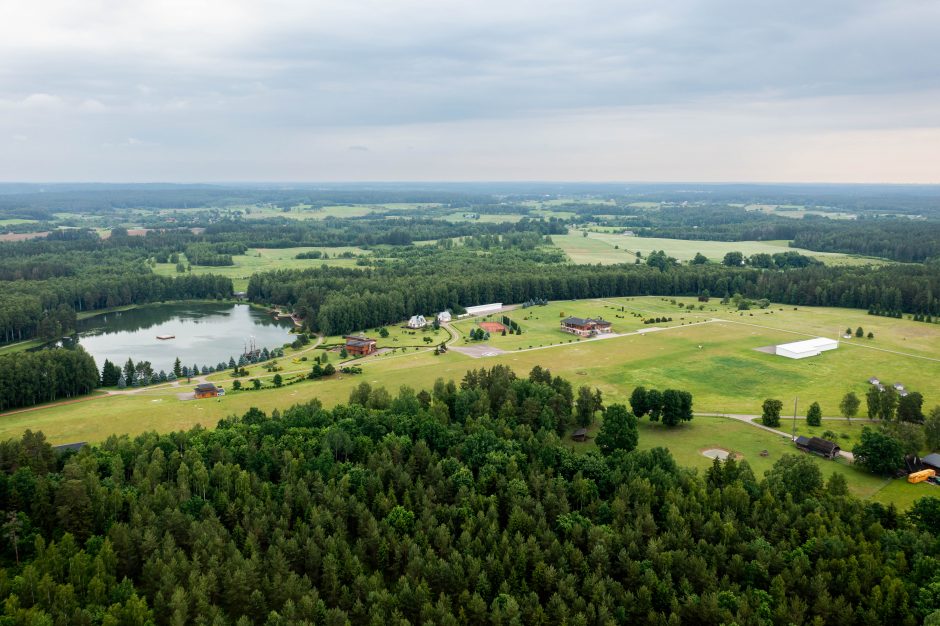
pixel 29 378
pixel 342 300
pixel 672 406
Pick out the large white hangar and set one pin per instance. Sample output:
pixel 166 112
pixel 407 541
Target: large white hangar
pixel 803 349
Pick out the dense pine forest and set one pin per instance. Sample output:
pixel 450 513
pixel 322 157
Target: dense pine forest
pixel 431 507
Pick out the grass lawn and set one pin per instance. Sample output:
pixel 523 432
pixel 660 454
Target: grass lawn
pixel 19 346
pixel 540 324
pixel 905 336
pixel 688 441
pixel 399 336
pixel 602 248
pixel 15 221
pixel 847 432
pixel 266 259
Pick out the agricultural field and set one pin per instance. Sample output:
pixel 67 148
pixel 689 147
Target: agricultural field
pixel 266 259
pixel 610 248
pixel 15 222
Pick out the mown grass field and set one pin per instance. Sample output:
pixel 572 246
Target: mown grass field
pixel 541 324
pixel 602 248
pixel 263 260
pixel 716 361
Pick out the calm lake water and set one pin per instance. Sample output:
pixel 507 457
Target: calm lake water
pixel 206 334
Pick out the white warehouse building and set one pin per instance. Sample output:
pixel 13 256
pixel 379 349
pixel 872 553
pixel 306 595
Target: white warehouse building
pixel 803 349
pixel 483 309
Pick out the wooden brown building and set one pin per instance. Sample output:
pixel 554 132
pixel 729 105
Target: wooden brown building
pixel 359 346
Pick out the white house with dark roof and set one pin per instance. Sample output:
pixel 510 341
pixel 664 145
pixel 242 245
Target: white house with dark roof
pixel 417 321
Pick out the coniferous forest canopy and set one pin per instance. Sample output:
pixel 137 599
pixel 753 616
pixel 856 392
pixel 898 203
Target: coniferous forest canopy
pixel 464 502
pixel 458 505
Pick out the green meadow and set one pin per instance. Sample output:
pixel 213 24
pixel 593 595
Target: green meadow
pixel 716 359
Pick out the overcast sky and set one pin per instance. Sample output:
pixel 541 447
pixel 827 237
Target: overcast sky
pixel 620 90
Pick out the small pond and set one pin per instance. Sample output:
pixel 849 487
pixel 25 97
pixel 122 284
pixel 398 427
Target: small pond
pixel 203 334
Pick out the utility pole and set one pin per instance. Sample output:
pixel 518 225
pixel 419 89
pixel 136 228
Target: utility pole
pixel 795 401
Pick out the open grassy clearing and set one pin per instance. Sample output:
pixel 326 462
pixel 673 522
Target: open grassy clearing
pixel 266 259
pixel 847 432
pixel 602 248
pixel 688 441
pixel 399 336
pixel 900 335
pixel 16 221
pixel 540 324
pixel 20 345
pixel 716 361
pixel 399 342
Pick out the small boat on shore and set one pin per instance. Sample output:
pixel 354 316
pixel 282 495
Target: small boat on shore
pixel 165 337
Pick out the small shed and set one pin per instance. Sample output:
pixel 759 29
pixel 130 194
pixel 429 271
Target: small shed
pixel 816 445
pixel 580 435
pixel 874 381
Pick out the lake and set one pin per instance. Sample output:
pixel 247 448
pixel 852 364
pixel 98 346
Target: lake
pixel 205 334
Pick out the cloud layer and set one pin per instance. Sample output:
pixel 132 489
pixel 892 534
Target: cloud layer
pixel 470 90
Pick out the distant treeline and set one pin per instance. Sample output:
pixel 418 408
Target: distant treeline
pixel 341 300
pixel 87 199
pixel 896 238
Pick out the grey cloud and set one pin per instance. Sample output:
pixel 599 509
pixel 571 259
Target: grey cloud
pixel 248 76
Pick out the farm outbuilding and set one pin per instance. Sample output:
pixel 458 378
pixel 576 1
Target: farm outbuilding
pixel 207 390
pixel 932 460
pixel 357 345
pixel 817 445
pixel 483 309
pixel 807 348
